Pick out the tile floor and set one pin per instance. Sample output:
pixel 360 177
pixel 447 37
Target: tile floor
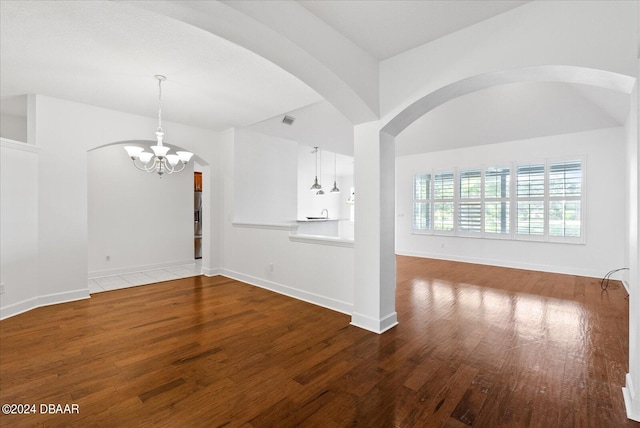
pixel 114 282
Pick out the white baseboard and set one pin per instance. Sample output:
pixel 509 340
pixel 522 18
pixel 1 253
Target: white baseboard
pixel 375 325
pixel 631 400
pixel 316 299
pixel 38 301
pixel 211 271
pixel 135 269
pixel 507 264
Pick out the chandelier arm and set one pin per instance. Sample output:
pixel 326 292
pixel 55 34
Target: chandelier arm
pixel 182 164
pixel 154 165
pixel 142 167
pixel 166 167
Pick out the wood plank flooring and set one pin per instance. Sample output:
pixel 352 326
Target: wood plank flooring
pixel 476 346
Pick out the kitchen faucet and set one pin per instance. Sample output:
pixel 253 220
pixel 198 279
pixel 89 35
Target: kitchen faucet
pixel 327 216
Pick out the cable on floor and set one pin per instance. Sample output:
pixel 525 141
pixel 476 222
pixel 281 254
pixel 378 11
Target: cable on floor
pixel 606 278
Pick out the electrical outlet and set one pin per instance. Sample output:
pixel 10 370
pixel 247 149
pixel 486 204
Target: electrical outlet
pixel 270 267
pixel 108 258
pixel 2 288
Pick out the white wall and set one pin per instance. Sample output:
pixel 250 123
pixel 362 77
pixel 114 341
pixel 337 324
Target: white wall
pixel 18 227
pixel 605 195
pixel 265 176
pixel 13 127
pixel 13 117
pixel 322 274
pixel 139 220
pixel 63 133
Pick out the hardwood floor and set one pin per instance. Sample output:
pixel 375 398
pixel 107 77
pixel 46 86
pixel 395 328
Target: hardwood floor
pixel 476 346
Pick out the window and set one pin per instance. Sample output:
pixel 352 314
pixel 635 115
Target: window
pixel 421 202
pixel 565 199
pixel 530 200
pixel 443 189
pixel 496 196
pixel 470 203
pixel 533 201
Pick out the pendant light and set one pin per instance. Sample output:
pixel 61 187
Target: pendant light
pixel 320 192
pixel 335 187
pixel 315 185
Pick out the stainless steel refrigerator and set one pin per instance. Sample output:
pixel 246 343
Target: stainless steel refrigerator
pixel 197 228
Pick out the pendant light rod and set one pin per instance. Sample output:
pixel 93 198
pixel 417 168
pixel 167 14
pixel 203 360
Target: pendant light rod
pixel 160 79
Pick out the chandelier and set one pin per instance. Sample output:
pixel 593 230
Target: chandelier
pixel 159 161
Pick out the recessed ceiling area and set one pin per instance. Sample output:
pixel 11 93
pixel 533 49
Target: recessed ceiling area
pixel 513 112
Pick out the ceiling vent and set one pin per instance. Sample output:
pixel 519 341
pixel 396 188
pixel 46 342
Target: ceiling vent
pixel 288 120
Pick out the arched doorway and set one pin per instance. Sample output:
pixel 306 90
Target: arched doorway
pixel 139 221
pixel 561 74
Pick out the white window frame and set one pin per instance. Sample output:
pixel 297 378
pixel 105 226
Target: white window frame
pixel 460 200
pixel 508 200
pixel 454 229
pixel 428 201
pixel 583 201
pixel 511 200
pixel 543 199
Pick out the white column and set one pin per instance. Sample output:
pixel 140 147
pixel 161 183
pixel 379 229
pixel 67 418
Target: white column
pixel 62 201
pixel 210 266
pixel 375 267
pixel 632 388
pixel 220 156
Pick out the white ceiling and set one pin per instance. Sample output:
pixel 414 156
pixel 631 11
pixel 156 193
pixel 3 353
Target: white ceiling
pixel 317 125
pixel 513 112
pixel 105 53
pixel 387 28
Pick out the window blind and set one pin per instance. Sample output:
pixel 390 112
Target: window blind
pixel 497 182
pixel 421 203
pixel 565 192
pixel 530 181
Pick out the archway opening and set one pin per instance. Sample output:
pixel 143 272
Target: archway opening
pixel 141 228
